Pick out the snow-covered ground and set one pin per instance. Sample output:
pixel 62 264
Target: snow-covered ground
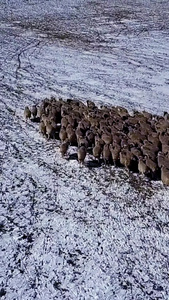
pixel 71 232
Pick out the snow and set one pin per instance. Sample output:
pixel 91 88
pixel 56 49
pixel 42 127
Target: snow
pixel 72 232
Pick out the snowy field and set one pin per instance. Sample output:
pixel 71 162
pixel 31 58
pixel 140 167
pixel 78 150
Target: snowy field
pixel 71 232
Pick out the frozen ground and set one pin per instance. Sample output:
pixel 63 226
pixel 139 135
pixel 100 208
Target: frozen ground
pixel 71 232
